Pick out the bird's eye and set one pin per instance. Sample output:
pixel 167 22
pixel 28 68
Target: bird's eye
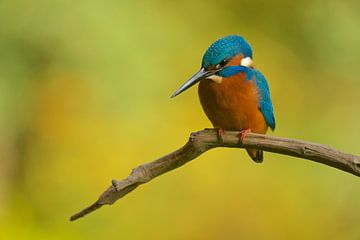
pixel 222 63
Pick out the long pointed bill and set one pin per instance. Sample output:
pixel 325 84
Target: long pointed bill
pixel 201 74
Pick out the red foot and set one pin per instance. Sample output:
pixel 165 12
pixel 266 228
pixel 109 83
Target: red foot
pixel 243 134
pixel 220 133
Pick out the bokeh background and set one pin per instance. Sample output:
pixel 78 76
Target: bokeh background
pixel 84 97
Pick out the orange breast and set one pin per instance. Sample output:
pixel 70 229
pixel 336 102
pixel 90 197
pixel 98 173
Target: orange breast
pixel 232 104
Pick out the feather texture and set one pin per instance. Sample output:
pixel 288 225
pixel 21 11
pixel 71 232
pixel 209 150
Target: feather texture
pixel 264 98
pixel 265 103
pixel 226 48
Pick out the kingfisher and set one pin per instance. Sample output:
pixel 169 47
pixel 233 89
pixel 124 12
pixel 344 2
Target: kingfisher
pixel 234 94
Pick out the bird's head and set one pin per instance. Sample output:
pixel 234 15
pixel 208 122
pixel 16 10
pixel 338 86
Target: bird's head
pixel 228 51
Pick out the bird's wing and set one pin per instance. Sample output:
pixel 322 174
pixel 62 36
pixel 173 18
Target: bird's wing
pixel 265 103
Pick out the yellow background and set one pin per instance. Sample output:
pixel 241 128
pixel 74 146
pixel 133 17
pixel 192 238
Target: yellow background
pixel 84 97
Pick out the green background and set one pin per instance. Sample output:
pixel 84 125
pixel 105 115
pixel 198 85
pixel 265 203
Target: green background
pixel 84 97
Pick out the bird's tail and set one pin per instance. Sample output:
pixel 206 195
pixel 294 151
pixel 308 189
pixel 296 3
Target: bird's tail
pixel 256 155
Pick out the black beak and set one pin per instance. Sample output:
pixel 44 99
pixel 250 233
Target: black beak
pixel 201 74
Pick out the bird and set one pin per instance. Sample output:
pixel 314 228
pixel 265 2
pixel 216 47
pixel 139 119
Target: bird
pixel 234 95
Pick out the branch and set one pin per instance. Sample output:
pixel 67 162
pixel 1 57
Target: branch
pixel 202 141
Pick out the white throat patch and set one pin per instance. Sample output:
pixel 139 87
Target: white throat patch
pixel 215 78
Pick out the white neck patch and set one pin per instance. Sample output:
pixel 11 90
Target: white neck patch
pixel 247 62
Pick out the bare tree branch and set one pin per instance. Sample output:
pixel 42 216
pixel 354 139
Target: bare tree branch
pixel 200 142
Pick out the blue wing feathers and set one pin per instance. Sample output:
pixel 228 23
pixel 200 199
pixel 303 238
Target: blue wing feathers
pixel 265 104
pixel 264 98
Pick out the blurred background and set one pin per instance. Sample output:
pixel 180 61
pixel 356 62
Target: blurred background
pixel 84 97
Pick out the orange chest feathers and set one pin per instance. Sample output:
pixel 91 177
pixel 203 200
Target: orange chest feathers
pixel 232 104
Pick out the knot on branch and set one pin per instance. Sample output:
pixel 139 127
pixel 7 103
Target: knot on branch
pixel 357 163
pixel 141 174
pixel 306 151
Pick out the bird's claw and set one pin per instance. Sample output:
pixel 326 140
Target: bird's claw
pixel 220 133
pixel 243 134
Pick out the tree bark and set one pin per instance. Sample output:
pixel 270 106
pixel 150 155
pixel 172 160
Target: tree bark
pixel 201 141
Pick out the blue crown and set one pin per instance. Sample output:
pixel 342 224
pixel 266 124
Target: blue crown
pixel 226 48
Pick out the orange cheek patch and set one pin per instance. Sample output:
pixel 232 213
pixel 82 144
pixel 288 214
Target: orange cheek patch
pixel 235 61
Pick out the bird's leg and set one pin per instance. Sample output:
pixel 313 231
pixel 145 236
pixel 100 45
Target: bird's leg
pixel 220 133
pixel 243 134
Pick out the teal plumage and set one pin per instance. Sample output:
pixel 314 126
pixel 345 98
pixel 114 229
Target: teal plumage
pixel 226 48
pixel 233 94
pixel 265 103
pixel 264 99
